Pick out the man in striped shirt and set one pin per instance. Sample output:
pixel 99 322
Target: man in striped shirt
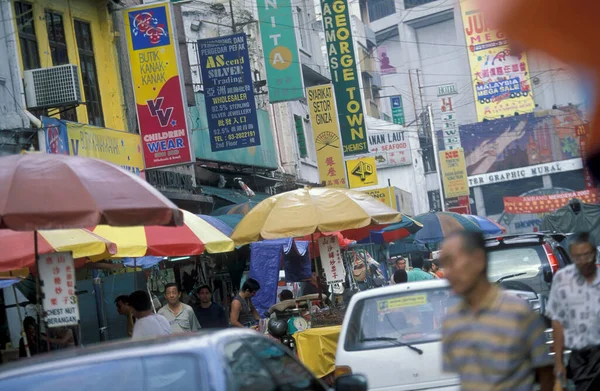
pixel 494 341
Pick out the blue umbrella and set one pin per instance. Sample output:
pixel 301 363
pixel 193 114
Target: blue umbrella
pixel 436 226
pixel 489 227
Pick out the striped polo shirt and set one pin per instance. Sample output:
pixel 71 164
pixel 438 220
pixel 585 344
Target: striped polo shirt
pixel 498 347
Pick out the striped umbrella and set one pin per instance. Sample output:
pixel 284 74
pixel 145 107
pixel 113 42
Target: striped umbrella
pixel 394 232
pixel 193 238
pixel 436 226
pixel 487 225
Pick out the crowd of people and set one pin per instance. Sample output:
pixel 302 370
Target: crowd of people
pixel 422 270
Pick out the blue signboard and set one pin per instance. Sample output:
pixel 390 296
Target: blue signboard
pixel 229 92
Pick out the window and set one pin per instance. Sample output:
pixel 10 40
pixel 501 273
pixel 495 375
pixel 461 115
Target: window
pixel 248 373
pixel 379 9
pixel 89 75
pixel 56 38
pixel 300 136
pixel 435 201
pixel 27 39
pixel 428 154
pixel 303 28
pixel 415 3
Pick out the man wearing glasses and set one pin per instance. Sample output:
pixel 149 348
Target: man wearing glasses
pixel 574 308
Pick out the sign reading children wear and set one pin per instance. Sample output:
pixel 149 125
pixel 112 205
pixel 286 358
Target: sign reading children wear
pixel 331 259
pixel 57 274
pixel 229 92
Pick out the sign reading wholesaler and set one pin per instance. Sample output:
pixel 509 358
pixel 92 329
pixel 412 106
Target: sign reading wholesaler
pixel 160 104
pixel 344 76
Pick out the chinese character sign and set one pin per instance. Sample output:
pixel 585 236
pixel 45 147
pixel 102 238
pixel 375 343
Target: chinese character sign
pixel 331 259
pixel 284 72
pixel 454 173
pixel 57 274
pixel 228 92
pixel 390 149
pixel 500 76
pixel 325 127
pixel 160 104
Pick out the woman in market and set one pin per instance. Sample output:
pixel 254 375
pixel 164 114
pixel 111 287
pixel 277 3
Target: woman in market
pixel 243 313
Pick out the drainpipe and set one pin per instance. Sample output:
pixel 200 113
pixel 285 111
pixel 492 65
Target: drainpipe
pixel 276 138
pixel 35 121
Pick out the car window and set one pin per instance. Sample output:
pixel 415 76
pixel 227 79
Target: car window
pixel 156 373
pixel 405 317
pixel 248 373
pixel 563 258
pixel 503 262
pixel 289 373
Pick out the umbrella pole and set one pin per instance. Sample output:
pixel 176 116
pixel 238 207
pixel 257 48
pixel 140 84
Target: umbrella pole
pixel 38 291
pixel 23 331
pixel 134 276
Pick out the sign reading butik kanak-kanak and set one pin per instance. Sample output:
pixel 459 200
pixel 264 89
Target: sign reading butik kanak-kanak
pixel 344 76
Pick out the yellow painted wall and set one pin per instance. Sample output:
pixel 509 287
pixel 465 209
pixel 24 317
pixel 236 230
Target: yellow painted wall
pixel 94 12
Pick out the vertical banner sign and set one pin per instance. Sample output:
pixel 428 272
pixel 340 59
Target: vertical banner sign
pixel 57 274
pixel 325 127
pixel 362 172
pixel 582 132
pixel 344 76
pixel 454 173
pixel 500 77
pixel 331 259
pixel 157 85
pixel 397 110
pixel 284 72
pixel 450 133
pixel 229 92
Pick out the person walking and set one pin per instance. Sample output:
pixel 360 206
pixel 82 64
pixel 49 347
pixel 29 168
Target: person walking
pixel 148 323
pixel 243 313
pixel 417 273
pixel 493 340
pixel 574 307
pixel 181 316
pixel 210 314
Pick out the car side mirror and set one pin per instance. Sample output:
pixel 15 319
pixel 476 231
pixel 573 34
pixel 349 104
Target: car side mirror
pixel 351 383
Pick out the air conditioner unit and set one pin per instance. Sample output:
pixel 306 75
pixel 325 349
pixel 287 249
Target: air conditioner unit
pixel 52 87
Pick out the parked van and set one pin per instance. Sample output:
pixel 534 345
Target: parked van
pixel 392 335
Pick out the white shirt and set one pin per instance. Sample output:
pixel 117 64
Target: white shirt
pixel 575 304
pixel 151 326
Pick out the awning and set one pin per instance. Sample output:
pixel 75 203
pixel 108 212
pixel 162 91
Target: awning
pixel 232 195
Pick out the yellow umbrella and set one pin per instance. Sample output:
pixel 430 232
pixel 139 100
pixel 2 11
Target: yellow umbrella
pixel 192 238
pixel 305 211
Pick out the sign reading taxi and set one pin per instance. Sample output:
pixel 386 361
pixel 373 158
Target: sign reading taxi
pixel 361 172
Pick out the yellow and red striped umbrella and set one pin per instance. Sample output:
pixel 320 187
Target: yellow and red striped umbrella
pixel 192 238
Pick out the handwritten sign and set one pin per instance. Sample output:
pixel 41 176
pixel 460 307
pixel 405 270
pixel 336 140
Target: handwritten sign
pixel 331 259
pixel 57 274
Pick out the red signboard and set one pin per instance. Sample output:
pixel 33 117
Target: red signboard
pixel 548 203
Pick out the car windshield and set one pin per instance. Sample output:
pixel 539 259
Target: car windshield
pixel 524 261
pixel 401 318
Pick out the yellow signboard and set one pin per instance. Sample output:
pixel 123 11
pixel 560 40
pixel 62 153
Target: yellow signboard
pixel 401 302
pixel 500 77
pixel 454 173
pixel 325 126
pixel 361 172
pixel 387 195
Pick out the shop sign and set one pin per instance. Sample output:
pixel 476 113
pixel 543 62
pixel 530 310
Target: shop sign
pixel 385 195
pixel 284 71
pixel 397 110
pixel 57 276
pixel 361 172
pixel 76 139
pixel 548 203
pixel 331 259
pixel 450 132
pixel 326 133
pixel 448 89
pixel 390 148
pixel 159 93
pixel 170 180
pixel 454 173
pixel 526 172
pixel 229 92
pixel 344 76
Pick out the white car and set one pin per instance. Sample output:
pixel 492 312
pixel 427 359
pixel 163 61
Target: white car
pixel 392 335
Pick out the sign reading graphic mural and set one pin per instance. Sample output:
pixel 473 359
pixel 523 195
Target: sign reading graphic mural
pixel 331 259
pixel 228 87
pixel 324 120
pixel 284 72
pixel 548 203
pixel 390 149
pixel 397 110
pixel 362 172
pixel 57 274
pixel 160 104
pixel 76 139
pixel 454 173
pixel 501 77
pixel 344 76
pixel 385 195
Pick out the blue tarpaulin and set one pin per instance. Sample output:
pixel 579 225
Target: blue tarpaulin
pixel 143 262
pixel 5 283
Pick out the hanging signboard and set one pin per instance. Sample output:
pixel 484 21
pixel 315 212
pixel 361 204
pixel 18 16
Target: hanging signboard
pixel 282 60
pixel 397 110
pixel 454 173
pixel 57 277
pixel 385 195
pixel 229 92
pixel 344 76
pixel 362 172
pixel 160 103
pixel 325 127
pixel 390 149
pixel 331 259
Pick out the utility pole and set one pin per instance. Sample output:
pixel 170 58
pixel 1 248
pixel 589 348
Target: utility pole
pixel 436 156
pixel 420 91
pixel 412 92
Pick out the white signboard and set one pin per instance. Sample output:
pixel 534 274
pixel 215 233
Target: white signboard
pixel 450 132
pixel 57 276
pixel 331 259
pixel 390 149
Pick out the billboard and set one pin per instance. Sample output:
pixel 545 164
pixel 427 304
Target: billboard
pixel 344 76
pixel 454 173
pixel 362 172
pixel 282 59
pixel 548 203
pixel 76 139
pixel 325 127
pixel 160 104
pixel 390 148
pixel 229 92
pixel 500 76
